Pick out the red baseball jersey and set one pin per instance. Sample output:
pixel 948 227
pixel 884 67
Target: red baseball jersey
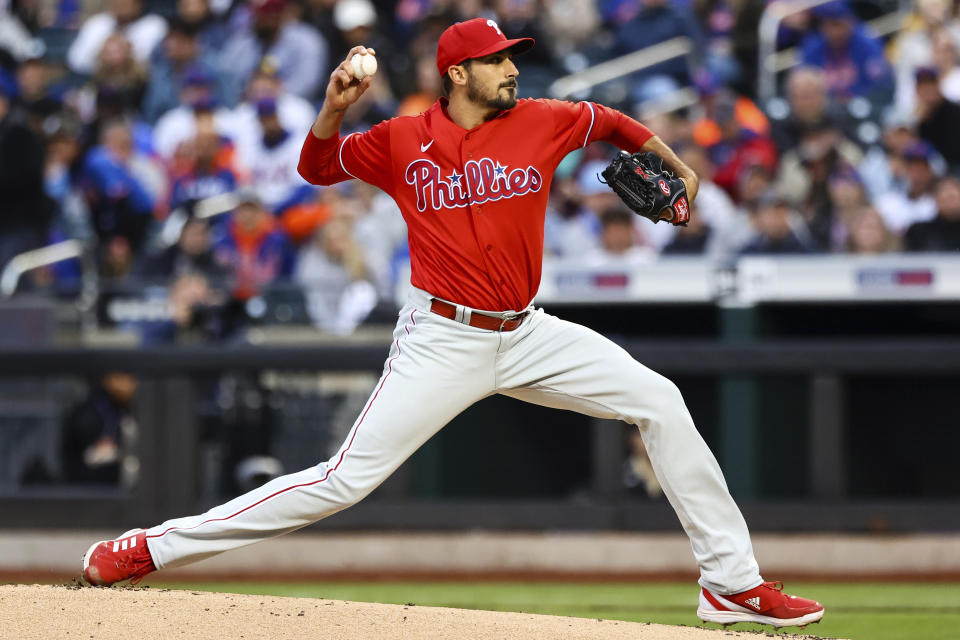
pixel 474 200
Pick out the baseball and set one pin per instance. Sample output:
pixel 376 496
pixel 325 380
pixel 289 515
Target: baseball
pixel 363 65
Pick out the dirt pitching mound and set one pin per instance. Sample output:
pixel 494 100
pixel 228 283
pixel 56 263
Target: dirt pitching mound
pixel 44 612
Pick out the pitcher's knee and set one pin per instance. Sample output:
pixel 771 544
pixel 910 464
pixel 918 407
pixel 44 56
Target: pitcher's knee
pixel 664 392
pixel 663 402
pixel 348 491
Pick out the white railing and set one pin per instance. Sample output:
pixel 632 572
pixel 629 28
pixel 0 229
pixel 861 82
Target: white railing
pixel 886 278
pixel 29 260
pixel 216 205
pixel 754 279
pixel 45 256
pixel 204 209
pixel 617 67
pixel 893 277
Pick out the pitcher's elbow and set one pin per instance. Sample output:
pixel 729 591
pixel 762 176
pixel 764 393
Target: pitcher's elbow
pixel 311 176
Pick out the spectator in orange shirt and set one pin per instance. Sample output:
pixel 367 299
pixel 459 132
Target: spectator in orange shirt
pixel 717 100
pixel 253 248
pixel 736 136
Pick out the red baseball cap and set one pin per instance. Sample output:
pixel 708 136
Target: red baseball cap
pixel 268 6
pixel 474 39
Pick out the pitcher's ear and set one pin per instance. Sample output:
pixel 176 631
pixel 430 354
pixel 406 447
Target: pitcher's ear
pixel 458 74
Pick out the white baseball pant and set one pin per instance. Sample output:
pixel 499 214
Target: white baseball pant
pixel 437 368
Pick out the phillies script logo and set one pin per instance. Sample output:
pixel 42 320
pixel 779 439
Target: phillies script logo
pixel 481 181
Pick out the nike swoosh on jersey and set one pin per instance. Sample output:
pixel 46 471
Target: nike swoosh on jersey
pixel 424 147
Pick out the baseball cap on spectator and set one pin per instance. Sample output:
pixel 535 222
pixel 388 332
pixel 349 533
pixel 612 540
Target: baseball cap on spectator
pixel 474 39
pixel 350 14
pixel 837 10
pixel 197 86
pixel 845 174
pixel 926 74
pixel 706 83
pixel 266 107
pixel 197 77
pixel 919 150
pixel 269 6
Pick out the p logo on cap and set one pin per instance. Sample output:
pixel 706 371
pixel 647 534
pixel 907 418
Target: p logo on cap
pixel 474 39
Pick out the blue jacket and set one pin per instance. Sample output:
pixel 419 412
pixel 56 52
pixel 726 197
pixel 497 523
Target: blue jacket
pixel 860 69
pixel 111 182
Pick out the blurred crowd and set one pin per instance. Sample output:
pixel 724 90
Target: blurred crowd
pixel 123 121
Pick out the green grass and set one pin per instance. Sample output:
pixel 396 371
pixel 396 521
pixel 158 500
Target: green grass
pixel 861 611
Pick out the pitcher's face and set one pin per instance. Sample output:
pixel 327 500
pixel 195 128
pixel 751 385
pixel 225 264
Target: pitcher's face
pixel 492 81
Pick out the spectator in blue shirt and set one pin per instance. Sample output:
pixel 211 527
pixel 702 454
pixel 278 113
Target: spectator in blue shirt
pixel 120 204
pixel 850 55
pixel 204 169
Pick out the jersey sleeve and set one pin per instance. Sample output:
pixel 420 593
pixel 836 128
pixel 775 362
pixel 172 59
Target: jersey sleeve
pixel 364 156
pixel 580 123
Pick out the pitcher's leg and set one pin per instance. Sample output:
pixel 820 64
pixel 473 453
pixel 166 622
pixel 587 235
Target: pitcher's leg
pixel 419 392
pixel 568 366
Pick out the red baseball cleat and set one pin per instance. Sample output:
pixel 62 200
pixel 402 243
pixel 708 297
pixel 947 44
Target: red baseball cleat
pixel 766 604
pixel 125 558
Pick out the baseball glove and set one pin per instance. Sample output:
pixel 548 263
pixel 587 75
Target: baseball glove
pixel 646 187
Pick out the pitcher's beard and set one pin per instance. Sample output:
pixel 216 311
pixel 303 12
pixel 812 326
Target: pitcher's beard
pixel 509 101
pixel 499 102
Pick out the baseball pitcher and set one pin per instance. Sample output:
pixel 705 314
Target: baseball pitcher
pixel 471 176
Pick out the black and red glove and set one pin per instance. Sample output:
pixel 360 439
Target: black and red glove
pixel 646 187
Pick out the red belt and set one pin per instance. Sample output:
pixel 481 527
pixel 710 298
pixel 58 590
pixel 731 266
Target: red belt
pixel 478 320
